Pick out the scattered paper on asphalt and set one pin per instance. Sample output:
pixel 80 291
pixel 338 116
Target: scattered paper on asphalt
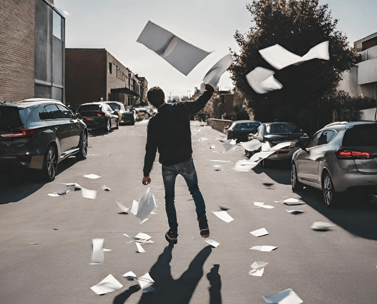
pixel 213 75
pixel 292 202
pixel 143 221
pixel 212 243
pixel 86 193
pixel 257 269
pixel 145 206
pixel 145 281
pixel 121 207
pixel 143 236
pixel 220 161
pixel 97 257
pixel 135 207
pixel 140 238
pixel 244 165
pixel 139 248
pixel 322 226
pixel 223 208
pixel 108 284
pixel 212 147
pixel 280 58
pixel 264 248
pixel 130 276
pixel 180 54
pixel 263 81
pixel 259 232
pixel 218 167
pixel 223 215
pixel 203 139
pixel 251 145
pixel 75 186
pixel 287 296
pixel 92 176
pixel 229 144
pixel 262 205
pixel 106 250
pixel 55 194
pixel 295 211
pixel 106 188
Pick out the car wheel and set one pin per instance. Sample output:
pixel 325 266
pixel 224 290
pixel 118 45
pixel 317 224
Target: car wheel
pixel 108 125
pixel 117 126
pixel 329 194
pixel 296 185
pixel 50 164
pixel 83 147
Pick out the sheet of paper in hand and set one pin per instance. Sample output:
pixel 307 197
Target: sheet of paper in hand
pixel 280 58
pixel 263 81
pixel 213 75
pixel 146 205
pixel 181 55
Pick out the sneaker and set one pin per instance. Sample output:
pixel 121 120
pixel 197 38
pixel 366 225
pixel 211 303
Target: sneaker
pixel 171 236
pixel 203 226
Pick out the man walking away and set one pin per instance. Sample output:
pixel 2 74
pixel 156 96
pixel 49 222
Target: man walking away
pixel 169 132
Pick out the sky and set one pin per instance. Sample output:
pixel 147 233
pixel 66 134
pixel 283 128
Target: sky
pixel 208 24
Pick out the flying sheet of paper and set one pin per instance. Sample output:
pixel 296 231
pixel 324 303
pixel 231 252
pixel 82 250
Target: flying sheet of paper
pixel 262 205
pixel 295 211
pixel 322 226
pixel 229 144
pixel 146 205
pixel 180 54
pixel 121 207
pixel 145 281
pixel 244 165
pixel 263 81
pixel 108 284
pixel 266 146
pixel 212 243
pixel 259 232
pixel 92 176
pixel 223 215
pixel 97 257
pixel 135 207
pixel 251 145
pixel 139 248
pixel 213 75
pixel 264 248
pixel 287 296
pixel 130 276
pixel 280 58
pixel 86 193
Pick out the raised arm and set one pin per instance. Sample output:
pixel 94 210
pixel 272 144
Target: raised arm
pixel 197 105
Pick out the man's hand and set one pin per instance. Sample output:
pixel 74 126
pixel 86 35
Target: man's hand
pixel 146 180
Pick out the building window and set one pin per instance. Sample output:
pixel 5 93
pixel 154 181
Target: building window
pixel 110 68
pixel 57 25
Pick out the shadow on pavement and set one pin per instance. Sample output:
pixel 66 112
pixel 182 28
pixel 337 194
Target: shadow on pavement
pixel 180 291
pixel 355 213
pixel 278 171
pixel 15 185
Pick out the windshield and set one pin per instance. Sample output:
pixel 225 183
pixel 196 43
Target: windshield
pixel 245 126
pixel 114 106
pixel 361 135
pixel 283 128
pixel 89 108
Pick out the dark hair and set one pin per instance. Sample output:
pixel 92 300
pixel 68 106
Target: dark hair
pixel 156 96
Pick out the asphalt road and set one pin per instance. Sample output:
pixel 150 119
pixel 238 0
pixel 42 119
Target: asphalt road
pixel 46 241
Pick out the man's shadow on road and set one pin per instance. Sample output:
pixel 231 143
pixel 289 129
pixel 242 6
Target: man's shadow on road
pixel 180 291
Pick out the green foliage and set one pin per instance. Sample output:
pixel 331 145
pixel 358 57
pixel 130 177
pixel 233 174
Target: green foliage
pixel 297 25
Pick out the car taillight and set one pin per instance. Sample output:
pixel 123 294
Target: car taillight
pixel 229 130
pixel 19 132
pixel 283 150
pixel 99 114
pixel 292 145
pixel 89 118
pixel 345 153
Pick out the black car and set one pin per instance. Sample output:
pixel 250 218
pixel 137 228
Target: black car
pixel 278 132
pixel 241 129
pixel 98 115
pixel 125 117
pixel 39 134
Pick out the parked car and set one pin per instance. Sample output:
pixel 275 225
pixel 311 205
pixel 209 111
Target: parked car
pixel 39 134
pixel 143 113
pixel 125 117
pixel 241 129
pixel 338 157
pixel 98 115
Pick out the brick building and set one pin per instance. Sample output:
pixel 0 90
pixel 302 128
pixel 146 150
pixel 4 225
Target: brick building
pixel 32 36
pixel 143 89
pixel 94 74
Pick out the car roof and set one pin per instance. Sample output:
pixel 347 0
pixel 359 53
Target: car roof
pixel 30 102
pixel 279 122
pixel 243 121
pixel 339 125
pixel 92 103
pixel 114 102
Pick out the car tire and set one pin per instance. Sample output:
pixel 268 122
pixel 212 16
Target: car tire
pixel 108 126
pixel 117 126
pixel 329 195
pixel 50 164
pixel 296 185
pixel 83 147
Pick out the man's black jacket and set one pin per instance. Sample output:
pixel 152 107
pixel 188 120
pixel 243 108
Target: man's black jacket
pixel 169 132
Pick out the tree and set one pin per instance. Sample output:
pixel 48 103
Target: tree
pixel 296 25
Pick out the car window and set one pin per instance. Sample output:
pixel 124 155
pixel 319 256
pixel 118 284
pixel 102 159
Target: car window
pixel 314 140
pixel 326 137
pixel 30 115
pixel 282 128
pixel 66 112
pixel 53 112
pixel 89 108
pixel 361 135
pixel 9 117
pixel 245 126
pixel 114 106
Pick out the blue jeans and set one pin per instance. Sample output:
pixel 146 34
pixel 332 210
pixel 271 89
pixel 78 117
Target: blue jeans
pixel 169 174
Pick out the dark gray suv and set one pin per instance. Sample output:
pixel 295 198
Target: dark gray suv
pixel 39 134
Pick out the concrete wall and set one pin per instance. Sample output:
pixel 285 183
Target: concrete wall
pixel 368 114
pixel 118 78
pixel 17 23
pixel 367 72
pixel 219 124
pixel 85 75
